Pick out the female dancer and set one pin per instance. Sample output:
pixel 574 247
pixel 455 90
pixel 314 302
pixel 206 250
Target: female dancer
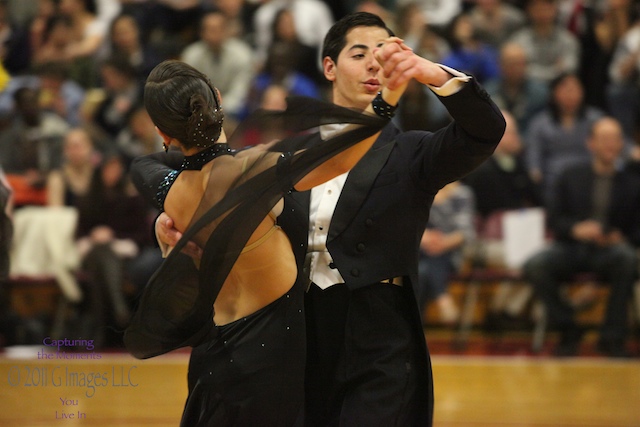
pixel 238 305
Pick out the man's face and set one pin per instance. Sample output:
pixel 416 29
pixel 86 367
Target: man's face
pixel 356 75
pixel 607 141
pixel 213 31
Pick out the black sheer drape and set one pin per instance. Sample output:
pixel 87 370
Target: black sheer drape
pixel 176 307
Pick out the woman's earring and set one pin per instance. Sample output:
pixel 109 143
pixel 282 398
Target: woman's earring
pixel 165 147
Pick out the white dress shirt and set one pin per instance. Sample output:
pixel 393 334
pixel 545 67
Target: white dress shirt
pixel 324 199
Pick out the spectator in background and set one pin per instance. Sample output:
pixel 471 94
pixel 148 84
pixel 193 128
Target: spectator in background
pixel 56 39
pixel 14 42
pixel 112 227
pixel 31 147
pixel 437 13
pixel 594 217
pixel 226 60
pixel 38 25
pixel 139 137
pixel 410 24
pixel 515 91
pixel 551 49
pixel 57 92
pixel 495 21
pixel 123 91
pixel 305 58
pixel 87 35
pixel 623 92
pixel 125 40
pixel 500 184
pixel 556 136
pixel 280 70
pixel 71 180
pixel 175 19
pixel 312 20
pixel 468 53
pixel 605 24
pixel 450 228
pixel 238 13
pixel 503 182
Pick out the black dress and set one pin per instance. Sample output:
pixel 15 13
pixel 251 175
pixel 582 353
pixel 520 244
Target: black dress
pixel 251 371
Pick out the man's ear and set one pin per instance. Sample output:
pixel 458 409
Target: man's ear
pixel 329 68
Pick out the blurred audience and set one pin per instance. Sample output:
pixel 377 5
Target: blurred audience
pixel 125 40
pixel 112 227
pixel 450 228
pixel 593 215
pixel 495 21
pixel 551 49
pixel 502 184
pixel 58 58
pixel 312 20
pixel 555 137
pixel 514 90
pixel 31 147
pixel 624 72
pixel 468 53
pixel 227 61
pixel 122 90
pixel 69 182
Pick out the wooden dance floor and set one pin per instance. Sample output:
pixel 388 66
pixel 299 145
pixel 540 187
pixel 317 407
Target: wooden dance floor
pixel 471 391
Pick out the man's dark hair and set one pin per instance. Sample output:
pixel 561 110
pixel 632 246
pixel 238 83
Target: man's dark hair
pixel 336 38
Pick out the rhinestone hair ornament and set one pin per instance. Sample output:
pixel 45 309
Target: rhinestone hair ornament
pixel 204 134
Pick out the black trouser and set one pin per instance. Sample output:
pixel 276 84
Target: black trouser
pixel 615 265
pixel 365 363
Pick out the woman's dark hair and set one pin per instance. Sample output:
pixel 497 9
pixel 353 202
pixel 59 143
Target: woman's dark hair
pixel 336 38
pixel 553 105
pixel 53 22
pixel 183 104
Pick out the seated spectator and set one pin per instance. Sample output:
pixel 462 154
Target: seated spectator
pixel 413 28
pixel 279 70
pixel 495 21
pixel 71 180
pixel 500 184
pixel 514 91
pixel 605 23
pixel 623 91
pixel 306 59
pixel 112 227
pixel 139 137
pixel 58 93
pixel 449 229
pixel 312 20
pixel 438 14
pixel 31 147
pixel 227 61
pixel 468 53
pixel 56 39
pixel 555 137
pixel 37 27
pixel 551 49
pixel 594 218
pixel 14 42
pixel 123 91
pixel 125 41
pixel 88 33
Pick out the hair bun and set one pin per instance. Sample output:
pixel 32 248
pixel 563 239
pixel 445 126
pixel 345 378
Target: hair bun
pixel 205 123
